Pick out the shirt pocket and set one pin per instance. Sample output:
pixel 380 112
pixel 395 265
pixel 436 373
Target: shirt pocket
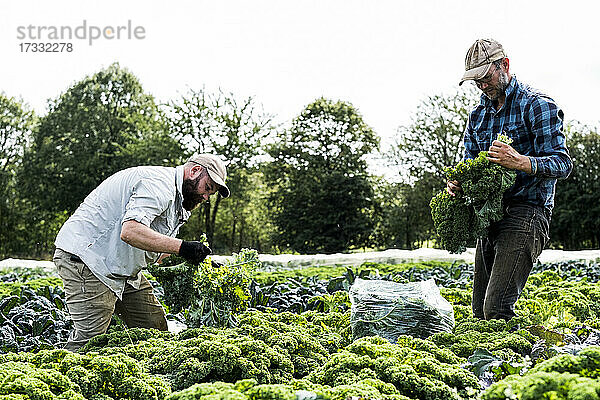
pixel 520 137
pixel 483 138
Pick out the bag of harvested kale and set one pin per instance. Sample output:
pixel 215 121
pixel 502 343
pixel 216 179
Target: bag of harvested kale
pixel 390 309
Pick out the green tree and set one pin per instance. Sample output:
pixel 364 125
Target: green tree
pixel 421 150
pixel 244 220
pixel 403 222
pixel 434 138
pixel 323 197
pixel 576 218
pixel 90 132
pixel 235 129
pixel 16 122
pixel 100 125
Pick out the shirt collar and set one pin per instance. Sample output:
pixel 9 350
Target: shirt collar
pixel 179 179
pixel 512 87
pixel 179 194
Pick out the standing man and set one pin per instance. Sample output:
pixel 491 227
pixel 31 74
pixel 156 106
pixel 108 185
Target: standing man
pixel 123 224
pixel 503 259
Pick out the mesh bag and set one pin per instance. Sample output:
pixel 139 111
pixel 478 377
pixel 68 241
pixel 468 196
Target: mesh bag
pixel 390 309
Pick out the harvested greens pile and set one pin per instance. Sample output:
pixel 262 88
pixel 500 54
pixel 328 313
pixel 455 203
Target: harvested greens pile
pixel 390 309
pixel 460 219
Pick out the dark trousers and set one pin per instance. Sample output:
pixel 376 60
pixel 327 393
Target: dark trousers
pixel 503 260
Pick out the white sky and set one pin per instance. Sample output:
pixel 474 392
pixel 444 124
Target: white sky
pixel 382 56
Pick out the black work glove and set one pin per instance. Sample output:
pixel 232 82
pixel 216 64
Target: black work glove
pixel 194 252
pixel 216 264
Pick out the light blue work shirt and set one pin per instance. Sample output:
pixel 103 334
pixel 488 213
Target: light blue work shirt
pixel 149 195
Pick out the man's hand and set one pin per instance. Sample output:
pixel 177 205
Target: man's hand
pixel 194 252
pixel 504 154
pixel 452 187
pixel 162 257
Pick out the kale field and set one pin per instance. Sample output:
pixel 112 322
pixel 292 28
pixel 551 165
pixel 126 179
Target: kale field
pixel 290 335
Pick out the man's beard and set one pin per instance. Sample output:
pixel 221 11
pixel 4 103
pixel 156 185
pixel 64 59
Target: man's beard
pixel 500 88
pixel 190 198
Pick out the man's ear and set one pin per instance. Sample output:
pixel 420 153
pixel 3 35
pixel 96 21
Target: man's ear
pixel 195 171
pixel 506 63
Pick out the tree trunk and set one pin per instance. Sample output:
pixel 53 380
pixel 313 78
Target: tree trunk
pixel 210 220
pixel 207 227
pixel 232 241
pixel 214 212
pixel 241 234
pixel 257 243
pixel 407 239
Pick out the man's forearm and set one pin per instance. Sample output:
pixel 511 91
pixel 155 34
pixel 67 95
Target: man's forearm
pixel 139 235
pixel 525 165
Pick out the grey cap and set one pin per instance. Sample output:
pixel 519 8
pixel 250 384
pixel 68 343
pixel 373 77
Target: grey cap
pixel 216 170
pixel 480 57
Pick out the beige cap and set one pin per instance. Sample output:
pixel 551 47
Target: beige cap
pixel 480 57
pixel 216 170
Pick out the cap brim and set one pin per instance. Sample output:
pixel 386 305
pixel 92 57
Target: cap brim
pixel 223 189
pixel 475 73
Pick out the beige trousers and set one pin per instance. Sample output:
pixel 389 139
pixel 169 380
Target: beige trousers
pixel 91 303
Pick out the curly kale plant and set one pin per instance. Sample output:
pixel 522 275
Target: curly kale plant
pixel 300 389
pixel 211 295
pixel 268 347
pixel 416 368
pixel 222 292
pixel 460 219
pixel 453 221
pixel 61 375
pixel 572 377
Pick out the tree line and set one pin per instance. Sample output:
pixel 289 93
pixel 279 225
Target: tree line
pixel 301 187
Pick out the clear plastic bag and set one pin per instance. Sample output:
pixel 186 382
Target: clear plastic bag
pixel 390 309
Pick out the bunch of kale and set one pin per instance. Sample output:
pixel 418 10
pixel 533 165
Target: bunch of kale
pixel 460 219
pixel 207 293
pixel 178 279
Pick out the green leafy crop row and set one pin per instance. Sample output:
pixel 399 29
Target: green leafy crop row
pixel 563 377
pixel 332 271
pixel 310 355
pixel 60 374
pixel 267 347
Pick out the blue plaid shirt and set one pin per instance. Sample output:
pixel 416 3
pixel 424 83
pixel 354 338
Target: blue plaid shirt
pixel 534 122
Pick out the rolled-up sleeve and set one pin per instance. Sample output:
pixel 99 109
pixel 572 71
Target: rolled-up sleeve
pixel 149 199
pixel 551 159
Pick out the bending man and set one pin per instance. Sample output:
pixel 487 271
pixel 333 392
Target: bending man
pixel 126 222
